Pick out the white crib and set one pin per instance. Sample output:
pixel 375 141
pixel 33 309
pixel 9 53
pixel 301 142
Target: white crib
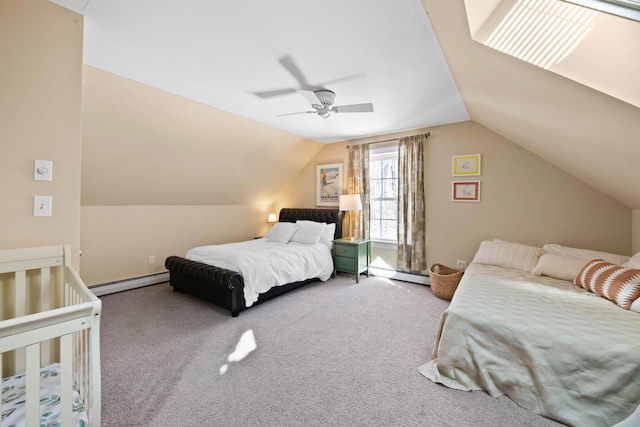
pixel 49 322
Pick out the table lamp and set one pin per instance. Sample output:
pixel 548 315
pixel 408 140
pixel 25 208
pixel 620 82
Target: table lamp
pixel 349 203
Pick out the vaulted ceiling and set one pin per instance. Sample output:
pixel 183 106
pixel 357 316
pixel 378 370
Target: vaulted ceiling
pixel 417 69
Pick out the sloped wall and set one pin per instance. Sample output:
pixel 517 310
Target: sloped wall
pixel 523 199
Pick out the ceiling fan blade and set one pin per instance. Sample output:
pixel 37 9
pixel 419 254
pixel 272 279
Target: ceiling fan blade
pixel 353 108
pixel 272 93
pixel 310 96
pixel 289 64
pixel 299 112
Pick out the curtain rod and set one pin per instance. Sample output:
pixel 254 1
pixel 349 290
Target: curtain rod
pixel 428 134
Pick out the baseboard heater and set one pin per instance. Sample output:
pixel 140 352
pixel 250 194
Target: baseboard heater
pixel 400 275
pixel 128 284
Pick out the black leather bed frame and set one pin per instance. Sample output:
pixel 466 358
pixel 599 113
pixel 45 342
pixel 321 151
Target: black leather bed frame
pixel 225 287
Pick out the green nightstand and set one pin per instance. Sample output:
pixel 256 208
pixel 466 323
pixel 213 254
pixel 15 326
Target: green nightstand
pixel 351 256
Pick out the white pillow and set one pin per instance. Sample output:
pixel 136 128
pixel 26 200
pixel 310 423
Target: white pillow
pixel 508 255
pixel 308 232
pixel 558 267
pixel 327 235
pixel 585 254
pixel 281 232
pixel 634 262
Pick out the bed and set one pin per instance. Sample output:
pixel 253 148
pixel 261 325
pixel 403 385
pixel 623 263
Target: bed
pixel 226 287
pixel 550 345
pixel 49 340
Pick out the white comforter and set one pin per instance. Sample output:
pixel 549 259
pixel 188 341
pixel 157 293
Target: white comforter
pixel 265 264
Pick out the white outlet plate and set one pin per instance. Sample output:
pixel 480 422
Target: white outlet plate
pixel 43 170
pixel 461 264
pixel 41 205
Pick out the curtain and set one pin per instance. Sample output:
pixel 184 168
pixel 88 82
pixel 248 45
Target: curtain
pixel 358 183
pixel 411 206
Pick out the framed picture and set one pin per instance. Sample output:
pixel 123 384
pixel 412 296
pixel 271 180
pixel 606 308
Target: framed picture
pixel 467 165
pixel 465 191
pixel 328 184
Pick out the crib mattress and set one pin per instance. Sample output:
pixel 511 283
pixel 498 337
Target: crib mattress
pixel 14 405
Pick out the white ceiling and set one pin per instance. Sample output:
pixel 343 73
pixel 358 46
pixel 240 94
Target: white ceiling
pixel 226 53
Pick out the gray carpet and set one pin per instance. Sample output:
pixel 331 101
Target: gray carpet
pixel 329 354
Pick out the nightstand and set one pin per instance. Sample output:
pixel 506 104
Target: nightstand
pixel 351 256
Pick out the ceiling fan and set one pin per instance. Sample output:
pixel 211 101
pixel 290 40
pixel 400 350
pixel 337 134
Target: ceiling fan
pixel 322 102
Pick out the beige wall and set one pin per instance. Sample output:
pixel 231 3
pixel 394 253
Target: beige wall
pixel 117 241
pixel 162 174
pixel 40 87
pixel 300 192
pixel 635 243
pixel 523 198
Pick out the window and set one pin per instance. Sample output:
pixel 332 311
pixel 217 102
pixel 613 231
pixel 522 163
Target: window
pixel 624 8
pixel 383 198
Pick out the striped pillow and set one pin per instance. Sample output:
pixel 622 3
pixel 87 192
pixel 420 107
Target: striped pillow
pixel 618 284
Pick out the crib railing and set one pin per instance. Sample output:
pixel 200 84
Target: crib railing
pixel 48 315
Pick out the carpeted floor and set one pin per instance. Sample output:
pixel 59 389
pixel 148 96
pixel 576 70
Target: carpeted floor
pixel 329 354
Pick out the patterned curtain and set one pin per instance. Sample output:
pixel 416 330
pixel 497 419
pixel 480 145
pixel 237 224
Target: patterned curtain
pixel 411 207
pixel 358 183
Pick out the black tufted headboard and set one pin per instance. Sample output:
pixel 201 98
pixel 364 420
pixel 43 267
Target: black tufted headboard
pixel 317 215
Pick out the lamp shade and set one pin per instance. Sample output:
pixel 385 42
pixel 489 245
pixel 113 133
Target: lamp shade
pixel 272 218
pixel 350 202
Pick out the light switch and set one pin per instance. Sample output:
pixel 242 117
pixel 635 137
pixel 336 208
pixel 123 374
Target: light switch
pixel 42 170
pixel 41 205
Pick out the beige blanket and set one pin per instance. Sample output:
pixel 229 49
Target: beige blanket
pixel 543 342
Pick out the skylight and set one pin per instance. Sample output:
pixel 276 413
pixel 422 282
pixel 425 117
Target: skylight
pixel 542 32
pixel 625 8
pixel 591 47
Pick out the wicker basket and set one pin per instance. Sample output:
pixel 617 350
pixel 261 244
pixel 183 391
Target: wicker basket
pixel 444 280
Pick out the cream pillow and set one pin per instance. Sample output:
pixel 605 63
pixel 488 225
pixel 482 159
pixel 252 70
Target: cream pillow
pixel 308 232
pixel 507 255
pixel 558 267
pixel 634 262
pixel 585 254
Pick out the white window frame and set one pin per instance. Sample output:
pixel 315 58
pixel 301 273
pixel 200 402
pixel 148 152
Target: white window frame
pixel 374 155
pixel 629 9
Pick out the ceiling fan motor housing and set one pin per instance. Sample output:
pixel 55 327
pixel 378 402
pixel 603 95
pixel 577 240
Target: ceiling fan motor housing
pixel 326 97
